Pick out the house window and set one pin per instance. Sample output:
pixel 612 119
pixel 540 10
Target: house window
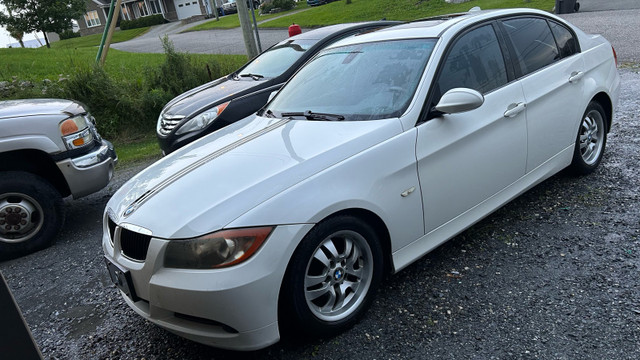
pixel 92 19
pixel 125 12
pixel 142 8
pixel 154 6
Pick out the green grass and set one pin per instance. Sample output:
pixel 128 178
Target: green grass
pixel 137 149
pixel 363 10
pixel 232 20
pixel 43 63
pixel 94 40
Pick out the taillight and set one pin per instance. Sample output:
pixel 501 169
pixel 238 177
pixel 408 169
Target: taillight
pixel 615 56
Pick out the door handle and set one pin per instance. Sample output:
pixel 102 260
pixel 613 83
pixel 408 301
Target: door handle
pixel 575 76
pixel 515 109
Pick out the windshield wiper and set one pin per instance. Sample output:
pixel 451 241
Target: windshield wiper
pixel 309 115
pixel 253 76
pixel 269 114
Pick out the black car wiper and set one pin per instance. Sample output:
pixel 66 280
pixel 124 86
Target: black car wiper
pixel 309 115
pixel 253 76
pixel 269 114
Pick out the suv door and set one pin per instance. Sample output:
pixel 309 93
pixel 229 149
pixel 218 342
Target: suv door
pixel 549 63
pixel 466 158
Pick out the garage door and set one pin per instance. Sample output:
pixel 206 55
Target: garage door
pixel 187 8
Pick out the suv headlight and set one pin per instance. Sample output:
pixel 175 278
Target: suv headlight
pixel 76 132
pixel 202 120
pixel 219 249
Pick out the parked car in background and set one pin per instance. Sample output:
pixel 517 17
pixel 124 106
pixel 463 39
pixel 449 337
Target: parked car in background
pixel 221 102
pixel 378 150
pixel 318 2
pixel 230 7
pixel 49 149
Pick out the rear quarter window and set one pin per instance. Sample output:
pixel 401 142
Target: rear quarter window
pixel 567 43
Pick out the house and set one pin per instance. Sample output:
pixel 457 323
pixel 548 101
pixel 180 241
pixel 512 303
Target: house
pixel 95 18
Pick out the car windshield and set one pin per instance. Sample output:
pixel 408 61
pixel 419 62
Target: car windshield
pixel 356 82
pixel 278 59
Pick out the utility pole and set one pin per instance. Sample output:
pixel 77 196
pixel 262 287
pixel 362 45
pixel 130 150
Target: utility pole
pixel 112 28
pixel 214 6
pixel 247 33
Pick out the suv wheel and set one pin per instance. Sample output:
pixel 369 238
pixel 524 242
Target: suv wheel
pixel 31 213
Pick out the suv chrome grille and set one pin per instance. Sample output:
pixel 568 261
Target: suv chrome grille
pixel 168 123
pixel 134 245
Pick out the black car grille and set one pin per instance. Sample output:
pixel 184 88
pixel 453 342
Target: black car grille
pixel 134 245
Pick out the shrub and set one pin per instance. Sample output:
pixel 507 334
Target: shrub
pixel 68 34
pixel 284 4
pixel 122 107
pixel 142 22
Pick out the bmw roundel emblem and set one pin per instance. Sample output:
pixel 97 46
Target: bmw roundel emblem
pixel 129 210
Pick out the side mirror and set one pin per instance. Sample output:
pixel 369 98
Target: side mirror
pixel 459 100
pixel 273 93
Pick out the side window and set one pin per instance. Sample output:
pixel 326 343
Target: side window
pixel 564 38
pixel 475 62
pixel 533 42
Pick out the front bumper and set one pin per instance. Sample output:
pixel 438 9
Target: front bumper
pixel 231 308
pixel 90 172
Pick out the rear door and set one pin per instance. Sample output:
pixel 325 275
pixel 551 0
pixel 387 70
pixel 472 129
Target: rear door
pixel 550 67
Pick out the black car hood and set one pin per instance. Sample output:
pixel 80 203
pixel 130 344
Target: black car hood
pixel 213 93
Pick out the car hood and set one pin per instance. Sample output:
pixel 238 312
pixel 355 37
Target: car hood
pixel 212 93
pixel 36 107
pixel 207 184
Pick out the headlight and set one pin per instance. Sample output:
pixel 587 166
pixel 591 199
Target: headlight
pixel 219 249
pixel 202 120
pixel 76 132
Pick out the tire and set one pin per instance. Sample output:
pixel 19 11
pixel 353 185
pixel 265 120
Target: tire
pixel 332 277
pixel 31 213
pixel 590 140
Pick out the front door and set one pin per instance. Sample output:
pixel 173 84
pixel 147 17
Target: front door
pixel 466 158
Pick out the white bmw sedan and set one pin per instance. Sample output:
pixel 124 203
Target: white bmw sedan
pixel 381 148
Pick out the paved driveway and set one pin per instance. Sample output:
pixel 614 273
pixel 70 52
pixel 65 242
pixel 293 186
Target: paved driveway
pixel 599 5
pixel 223 41
pixel 620 27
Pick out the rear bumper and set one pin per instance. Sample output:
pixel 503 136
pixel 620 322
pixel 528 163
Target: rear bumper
pixel 91 172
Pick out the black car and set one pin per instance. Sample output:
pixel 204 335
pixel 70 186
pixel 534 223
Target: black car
pixel 221 102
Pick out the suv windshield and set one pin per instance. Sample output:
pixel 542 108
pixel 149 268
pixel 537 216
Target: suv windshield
pixel 356 82
pixel 278 59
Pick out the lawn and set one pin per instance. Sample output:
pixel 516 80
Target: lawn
pixel 43 63
pixel 94 40
pixel 232 20
pixel 363 10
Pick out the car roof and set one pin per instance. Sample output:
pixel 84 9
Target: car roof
pixel 325 31
pixel 434 27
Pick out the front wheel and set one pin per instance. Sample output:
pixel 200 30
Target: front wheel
pixel 31 213
pixel 591 140
pixel 332 277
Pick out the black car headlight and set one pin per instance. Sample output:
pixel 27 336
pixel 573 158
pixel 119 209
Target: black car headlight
pixel 201 121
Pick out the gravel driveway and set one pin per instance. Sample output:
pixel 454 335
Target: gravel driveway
pixel 552 275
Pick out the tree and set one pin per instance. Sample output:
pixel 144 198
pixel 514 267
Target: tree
pixel 16 34
pixel 28 16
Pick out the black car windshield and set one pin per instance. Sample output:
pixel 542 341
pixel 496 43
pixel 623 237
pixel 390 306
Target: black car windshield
pixel 278 59
pixel 356 82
